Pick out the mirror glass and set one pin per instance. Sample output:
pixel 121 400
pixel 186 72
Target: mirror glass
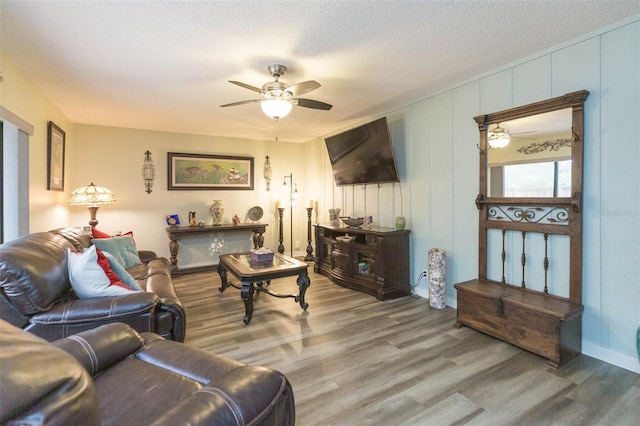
pixel 537 160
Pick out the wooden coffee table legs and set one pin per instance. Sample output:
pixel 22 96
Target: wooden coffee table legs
pixel 249 288
pixel 303 284
pixel 246 292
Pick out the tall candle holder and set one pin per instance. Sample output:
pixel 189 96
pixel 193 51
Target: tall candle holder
pixel 309 256
pixel 280 247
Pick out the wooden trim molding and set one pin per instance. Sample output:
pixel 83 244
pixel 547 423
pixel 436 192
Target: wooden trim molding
pixel 21 124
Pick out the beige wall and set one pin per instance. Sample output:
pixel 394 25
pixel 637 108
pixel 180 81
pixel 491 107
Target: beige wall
pixel 47 208
pixel 112 157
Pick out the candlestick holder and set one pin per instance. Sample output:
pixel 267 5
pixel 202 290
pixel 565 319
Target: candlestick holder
pixel 281 237
pixel 309 256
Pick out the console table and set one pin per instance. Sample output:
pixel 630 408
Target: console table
pixel 175 233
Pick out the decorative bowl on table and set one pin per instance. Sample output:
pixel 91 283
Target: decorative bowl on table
pixel 352 222
pixel 261 255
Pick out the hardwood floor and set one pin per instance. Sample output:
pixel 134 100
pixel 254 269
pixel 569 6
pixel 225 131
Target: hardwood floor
pixel 353 360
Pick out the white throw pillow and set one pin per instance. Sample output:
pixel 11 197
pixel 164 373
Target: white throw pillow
pixel 87 277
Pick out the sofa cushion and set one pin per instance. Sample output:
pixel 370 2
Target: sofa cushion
pixel 33 271
pixel 122 273
pixel 89 279
pixel 122 248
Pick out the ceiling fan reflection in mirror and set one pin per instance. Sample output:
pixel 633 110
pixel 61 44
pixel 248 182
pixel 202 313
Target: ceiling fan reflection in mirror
pixel 499 137
pixel 278 98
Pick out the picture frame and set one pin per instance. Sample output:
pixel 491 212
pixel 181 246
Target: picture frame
pixel 172 220
pixel 55 157
pixel 209 171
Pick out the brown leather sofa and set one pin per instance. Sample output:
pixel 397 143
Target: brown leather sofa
pixel 113 375
pixel 36 293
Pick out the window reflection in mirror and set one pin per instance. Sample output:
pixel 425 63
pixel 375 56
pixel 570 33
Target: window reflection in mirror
pixel 537 160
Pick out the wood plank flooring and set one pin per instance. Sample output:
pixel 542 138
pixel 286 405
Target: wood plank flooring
pixel 353 360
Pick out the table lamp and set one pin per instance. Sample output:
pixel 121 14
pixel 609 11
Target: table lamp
pixel 91 196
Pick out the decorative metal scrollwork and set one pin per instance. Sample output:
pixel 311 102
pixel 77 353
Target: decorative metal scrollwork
pixel 537 147
pixel 148 172
pixel 553 215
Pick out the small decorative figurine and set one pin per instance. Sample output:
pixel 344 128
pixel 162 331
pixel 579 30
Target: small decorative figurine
pixel 235 220
pixel 192 219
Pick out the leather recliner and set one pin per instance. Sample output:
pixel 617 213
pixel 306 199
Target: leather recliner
pixel 36 293
pixel 113 375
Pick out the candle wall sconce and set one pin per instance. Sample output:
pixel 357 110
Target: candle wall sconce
pixel 148 172
pixel 267 173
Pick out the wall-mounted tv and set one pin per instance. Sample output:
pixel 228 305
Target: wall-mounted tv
pixel 363 155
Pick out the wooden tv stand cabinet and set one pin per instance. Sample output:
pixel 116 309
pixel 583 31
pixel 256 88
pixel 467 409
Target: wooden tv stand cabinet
pixel 376 262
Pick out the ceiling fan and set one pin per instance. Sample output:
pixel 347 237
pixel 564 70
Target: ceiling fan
pixel 277 98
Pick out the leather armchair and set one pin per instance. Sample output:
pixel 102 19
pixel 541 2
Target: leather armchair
pixel 115 375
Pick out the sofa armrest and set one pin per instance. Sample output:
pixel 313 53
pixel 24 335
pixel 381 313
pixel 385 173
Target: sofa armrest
pixel 147 256
pixel 160 283
pixel 247 395
pixel 102 347
pixel 98 309
pixel 41 384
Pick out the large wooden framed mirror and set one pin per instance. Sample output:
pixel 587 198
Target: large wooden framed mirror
pixel 530 227
pixel 541 169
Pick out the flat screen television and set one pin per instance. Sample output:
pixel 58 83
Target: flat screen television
pixel 363 155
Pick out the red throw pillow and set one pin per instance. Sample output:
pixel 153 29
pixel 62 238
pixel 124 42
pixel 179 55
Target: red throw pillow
pixel 114 279
pixel 99 234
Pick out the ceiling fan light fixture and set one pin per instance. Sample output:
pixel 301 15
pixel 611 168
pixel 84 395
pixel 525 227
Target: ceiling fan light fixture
pixel 276 108
pixel 499 137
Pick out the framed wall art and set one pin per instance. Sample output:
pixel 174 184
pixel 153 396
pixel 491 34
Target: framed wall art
pixel 206 171
pixel 55 157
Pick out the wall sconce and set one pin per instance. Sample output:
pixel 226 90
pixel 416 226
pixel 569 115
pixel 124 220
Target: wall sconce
pixel 148 172
pixel 91 196
pixel 267 172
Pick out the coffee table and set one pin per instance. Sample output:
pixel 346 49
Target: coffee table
pixel 256 277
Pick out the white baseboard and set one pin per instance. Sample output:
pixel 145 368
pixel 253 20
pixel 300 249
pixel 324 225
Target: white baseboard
pixel 603 354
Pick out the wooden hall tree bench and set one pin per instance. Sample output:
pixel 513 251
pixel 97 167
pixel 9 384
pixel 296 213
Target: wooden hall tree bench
pixel 521 227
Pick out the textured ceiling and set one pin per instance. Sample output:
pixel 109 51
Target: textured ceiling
pixel 166 65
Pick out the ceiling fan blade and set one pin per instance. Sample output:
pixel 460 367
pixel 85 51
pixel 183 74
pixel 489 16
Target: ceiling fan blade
pixel 302 88
pixel 246 86
pixel 310 103
pixel 252 101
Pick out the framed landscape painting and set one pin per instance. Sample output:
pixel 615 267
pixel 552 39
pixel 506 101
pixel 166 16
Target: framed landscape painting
pixel 205 171
pixel 55 157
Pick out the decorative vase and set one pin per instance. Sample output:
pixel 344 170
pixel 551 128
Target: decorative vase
pixel 217 210
pixel 400 223
pixel 437 279
pixel 334 217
